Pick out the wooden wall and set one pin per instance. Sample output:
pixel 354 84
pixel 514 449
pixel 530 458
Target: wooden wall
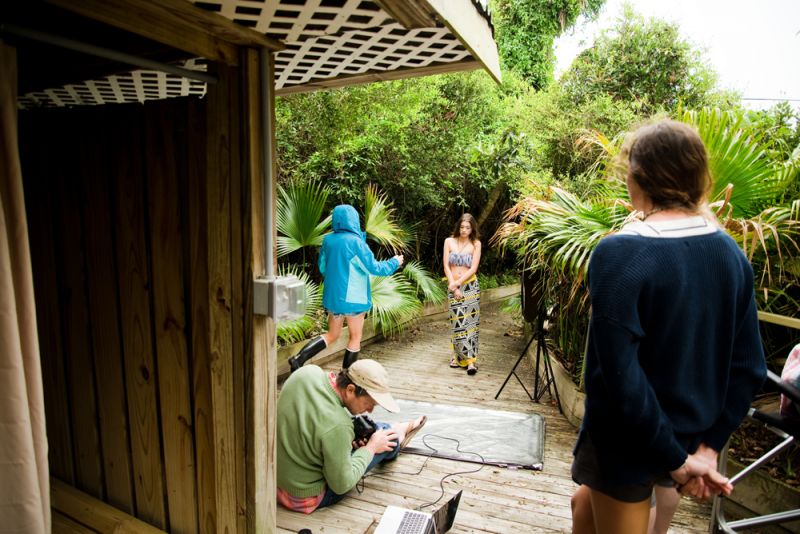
pixel 138 226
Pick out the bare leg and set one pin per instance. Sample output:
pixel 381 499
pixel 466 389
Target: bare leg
pixel 334 329
pixel 667 500
pixel 582 518
pixel 612 516
pixel 356 327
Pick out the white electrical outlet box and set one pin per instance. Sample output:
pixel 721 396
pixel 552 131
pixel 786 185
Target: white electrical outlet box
pixel 283 298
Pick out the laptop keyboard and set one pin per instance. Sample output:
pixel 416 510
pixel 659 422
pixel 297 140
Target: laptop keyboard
pixel 412 523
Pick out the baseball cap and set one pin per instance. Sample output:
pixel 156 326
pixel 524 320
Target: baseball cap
pixel 371 376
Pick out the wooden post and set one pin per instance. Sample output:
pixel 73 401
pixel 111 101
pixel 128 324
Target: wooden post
pixel 260 363
pixel 174 379
pixel 219 297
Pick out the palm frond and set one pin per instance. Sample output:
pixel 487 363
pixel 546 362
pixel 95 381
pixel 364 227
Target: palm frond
pixel 560 232
pixel 379 223
pixel 299 217
pixel 736 159
pixel 607 150
pixel 427 285
pixel 772 237
pixel 394 303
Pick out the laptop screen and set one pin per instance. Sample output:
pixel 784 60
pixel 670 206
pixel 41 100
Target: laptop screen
pixel 444 517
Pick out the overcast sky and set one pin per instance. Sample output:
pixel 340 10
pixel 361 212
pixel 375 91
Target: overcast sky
pixel 753 45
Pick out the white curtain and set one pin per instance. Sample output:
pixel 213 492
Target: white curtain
pixel 24 474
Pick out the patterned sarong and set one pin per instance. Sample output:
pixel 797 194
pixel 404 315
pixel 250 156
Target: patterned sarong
pixel 465 316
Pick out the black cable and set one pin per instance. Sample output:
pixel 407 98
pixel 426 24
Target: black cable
pixel 441 482
pixel 360 489
pixel 369 474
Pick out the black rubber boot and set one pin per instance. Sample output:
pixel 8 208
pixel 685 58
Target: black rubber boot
pixel 306 353
pixel 349 357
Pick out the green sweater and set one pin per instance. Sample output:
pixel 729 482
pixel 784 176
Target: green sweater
pixel 315 435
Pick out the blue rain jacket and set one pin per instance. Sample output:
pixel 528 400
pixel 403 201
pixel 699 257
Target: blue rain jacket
pixel 346 263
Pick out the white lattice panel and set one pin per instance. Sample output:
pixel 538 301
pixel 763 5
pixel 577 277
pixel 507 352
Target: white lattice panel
pixel 297 20
pixel 356 52
pixel 325 39
pixel 136 86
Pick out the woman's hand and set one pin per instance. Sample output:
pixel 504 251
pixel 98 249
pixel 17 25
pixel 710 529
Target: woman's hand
pixel 696 478
pixel 706 454
pixel 452 286
pixel 457 293
pixel 399 259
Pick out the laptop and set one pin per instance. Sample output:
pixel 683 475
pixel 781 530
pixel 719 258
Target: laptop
pixel 396 520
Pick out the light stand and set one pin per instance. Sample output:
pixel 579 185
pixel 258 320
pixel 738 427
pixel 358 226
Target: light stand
pixel 549 378
pixel 534 311
pixel 540 385
pixel 514 371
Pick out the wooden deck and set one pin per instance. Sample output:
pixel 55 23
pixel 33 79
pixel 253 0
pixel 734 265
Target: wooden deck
pixel 495 500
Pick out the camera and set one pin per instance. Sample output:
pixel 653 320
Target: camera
pixel 364 427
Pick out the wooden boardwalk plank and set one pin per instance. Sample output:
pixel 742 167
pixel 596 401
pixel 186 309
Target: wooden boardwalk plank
pixel 495 500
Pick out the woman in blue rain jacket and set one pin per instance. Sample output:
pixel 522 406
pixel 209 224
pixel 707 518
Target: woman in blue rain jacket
pixel 346 262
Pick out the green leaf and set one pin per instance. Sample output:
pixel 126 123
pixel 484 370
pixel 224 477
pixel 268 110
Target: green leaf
pixel 394 302
pixel 379 223
pixel 299 217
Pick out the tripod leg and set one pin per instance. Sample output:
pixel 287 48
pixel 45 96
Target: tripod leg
pixel 541 354
pixel 514 369
pixel 552 379
pixel 536 371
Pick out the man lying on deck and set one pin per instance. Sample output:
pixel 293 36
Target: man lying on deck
pixel 318 459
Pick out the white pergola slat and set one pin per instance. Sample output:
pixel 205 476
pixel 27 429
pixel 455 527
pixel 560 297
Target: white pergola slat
pixel 297 20
pixel 135 86
pixel 327 42
pixel 354 52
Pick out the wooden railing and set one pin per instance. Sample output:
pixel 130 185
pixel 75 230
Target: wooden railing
pixel 77 512
pixel 782 320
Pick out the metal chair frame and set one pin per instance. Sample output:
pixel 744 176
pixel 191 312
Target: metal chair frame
pixel 788 432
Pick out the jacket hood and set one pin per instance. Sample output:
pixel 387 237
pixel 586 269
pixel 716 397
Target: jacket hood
pixel 345 219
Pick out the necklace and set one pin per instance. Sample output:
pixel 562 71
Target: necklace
pixel 651 212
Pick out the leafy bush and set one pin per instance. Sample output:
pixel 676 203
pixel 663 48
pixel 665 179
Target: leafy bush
pixel 435 146
pixel 554 235
pixel 526 30
pixel 645 63
pixel 396 299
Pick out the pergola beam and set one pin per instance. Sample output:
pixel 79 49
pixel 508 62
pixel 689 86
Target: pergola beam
pixel 409 13
pixel 472 30
pixel 176 23
pixel 397 74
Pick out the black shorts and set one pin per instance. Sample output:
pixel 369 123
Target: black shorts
pixel 586 470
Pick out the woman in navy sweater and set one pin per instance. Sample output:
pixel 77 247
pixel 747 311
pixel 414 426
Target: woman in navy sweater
pixel 674 355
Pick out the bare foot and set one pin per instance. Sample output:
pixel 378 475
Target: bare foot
pixel 412 428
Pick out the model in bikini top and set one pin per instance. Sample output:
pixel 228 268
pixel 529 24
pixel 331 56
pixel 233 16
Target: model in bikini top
pixel 461 260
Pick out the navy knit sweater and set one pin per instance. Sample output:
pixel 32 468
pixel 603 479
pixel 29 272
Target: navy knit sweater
pixel 674 356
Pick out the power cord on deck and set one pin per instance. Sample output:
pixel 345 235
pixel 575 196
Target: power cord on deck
pixel 441 482
pixel 433 451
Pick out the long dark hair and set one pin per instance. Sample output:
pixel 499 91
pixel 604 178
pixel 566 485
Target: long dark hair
pixel 668 161
pixel 475 234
